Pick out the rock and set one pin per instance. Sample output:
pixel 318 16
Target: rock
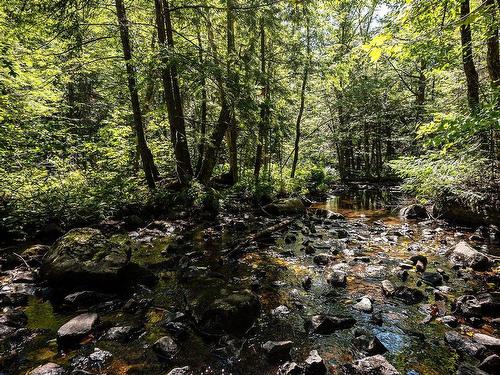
pixel 449 320
pixel 375 365
pixel 234 314
pixel 368 343
pixel 307 283
pixel 122 333
pixel 76 329
pixel 337 278
pixel 464 255
pixel 464 345
pixel 289 206
pixel 277 350
pixel 94 361
pixel 47 369
pixel 477 306
pixel 413 211
pixel 86 298
pixel 84 256
pixel 325 324
pixel 387 288
pixel 467 369
pixel 432 278
pixel 408 295
pixel 16 294
pixel 290 368
pixel 365 305
pixel 13 318
pixel 165 348
pixel 323 259
pixel 314 364
pixel 490 364
pixel 489 342
pixel 186 370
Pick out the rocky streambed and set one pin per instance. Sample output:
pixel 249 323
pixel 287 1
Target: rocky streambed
pixel 344 287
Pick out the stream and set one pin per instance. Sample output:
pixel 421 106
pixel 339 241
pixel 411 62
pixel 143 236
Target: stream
pixel 290 271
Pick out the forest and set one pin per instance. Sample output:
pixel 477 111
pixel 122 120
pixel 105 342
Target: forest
pixel 249 187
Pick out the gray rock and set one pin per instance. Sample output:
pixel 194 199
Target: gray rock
pixel 234 314
pixel 463 255
pixel 413 211
pixel 122 333
pixel 365 305
pixel 375 365
pixel 96 360
pixel 314 364
pixel 180 371
pixel 387 288
pixel 290 368
pixel 368 343
pixel 325 324
pixel 490 342
pixel 76 329
pixel 48 369
pixel 408 295
pixel 288 206
pixel 165 348
pixel 477 306
pixel 432 278
pixel 323 259
pixel 278 350
pixel 84 256
pixel 490 364
pixel 464 345
pixel 337 278
pixel 467 369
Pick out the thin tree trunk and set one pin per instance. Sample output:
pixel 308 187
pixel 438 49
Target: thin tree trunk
pixel 302 104
pixel 421 88
pixel 264 107
pixel 493 54
pixel 467 58
pixel 203 109
pixel 146 156
pixel 172 95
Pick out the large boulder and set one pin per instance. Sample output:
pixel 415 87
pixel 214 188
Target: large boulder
pixel 84 256
pixel 413 211
pixel 288 206
pixel 463 255
pixel 375 365
pixel 76 329
pixel 233 314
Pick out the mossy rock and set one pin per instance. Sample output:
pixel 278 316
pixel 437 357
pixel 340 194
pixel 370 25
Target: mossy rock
pixel 84 256
pixel 288 206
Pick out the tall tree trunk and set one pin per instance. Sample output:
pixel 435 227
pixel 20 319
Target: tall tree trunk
pixel 264 107
pixel 203 108
pixel 421 86
pixel 493 54
pixel 212 147
pixel 467 58
pixel 146 156
pixel 232 131
pixel 302 103
pixel 172 95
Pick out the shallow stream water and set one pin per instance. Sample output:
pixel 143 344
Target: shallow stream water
pixel 370 245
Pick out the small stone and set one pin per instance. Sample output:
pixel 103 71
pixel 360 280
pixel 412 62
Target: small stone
pixel 290 368
pixel 307 283
pixel 490 342
pixel 490 364
pixel 374 365
pixel 432 278
pixel 76 329
pixel 165 347
pixel 337 279
pixel 180 371
pixel 387 288
pixel 325 324
pixel 47 369
pixel 365 305
pixel 278 350
pixel 323 259
pixel 449 320
pixel 314 364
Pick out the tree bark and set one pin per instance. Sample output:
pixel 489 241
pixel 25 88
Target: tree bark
pixel 203 108
pixel 172 95
pixel 493 54
pixel 146 156
pixel 264 107
pixel 467 58
pixel 302 104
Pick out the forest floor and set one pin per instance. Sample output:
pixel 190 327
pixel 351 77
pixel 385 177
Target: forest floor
pixel 348 278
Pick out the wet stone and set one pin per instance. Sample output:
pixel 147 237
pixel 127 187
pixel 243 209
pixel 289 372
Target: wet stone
pixel 337 279
pixel 323 259
pixel 277 350
pixel 489 342
pixel 368 343
pixel 467 369
pixel 464 345
pixel 463 255
pixel 48 369
pixel 432 278
pixel 122 333
pixel 13 318
pixel 375 365
pixel 325 324
pixel 180 371
pixel 290 368
pixel 314 364
pixel 96 360
pixel 165 348
pixel 76 329
pixel 387 288
pixel 365 305
pixel 408 295
pixel 490 364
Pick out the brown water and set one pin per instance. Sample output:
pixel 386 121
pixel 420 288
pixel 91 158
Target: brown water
pixel 373 232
